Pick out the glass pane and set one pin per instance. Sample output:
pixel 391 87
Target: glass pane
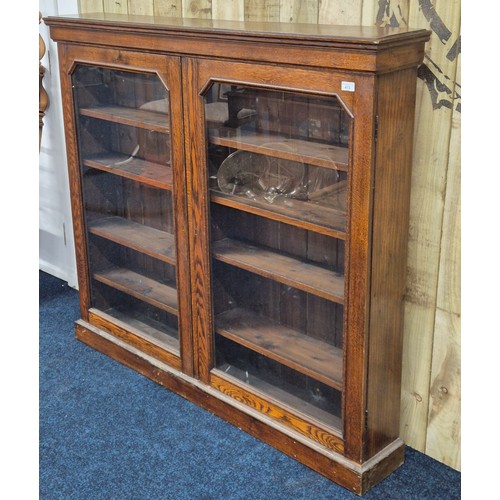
pixel 304 394
pixel 124 142
pixel 279 152
pixel 278 172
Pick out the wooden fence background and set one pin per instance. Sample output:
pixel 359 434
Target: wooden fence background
pixel 431 371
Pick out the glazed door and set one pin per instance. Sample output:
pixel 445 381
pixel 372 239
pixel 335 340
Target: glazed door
pixel 275 171
pixel 131 224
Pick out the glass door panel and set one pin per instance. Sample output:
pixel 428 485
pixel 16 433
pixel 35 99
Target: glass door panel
pixel 278 171
pixel 123 131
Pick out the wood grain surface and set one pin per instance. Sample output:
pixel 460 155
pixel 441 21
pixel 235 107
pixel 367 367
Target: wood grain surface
pixel 432 301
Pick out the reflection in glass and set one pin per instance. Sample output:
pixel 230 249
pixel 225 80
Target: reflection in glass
pixel 124 142
pixel 278 172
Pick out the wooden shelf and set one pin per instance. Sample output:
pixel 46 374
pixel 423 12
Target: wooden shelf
pixel 149 120
pixel 305 354
pixel 155 332
pixel 144 239
pixel 146 172
pixel 312 153
pixel 146 289
pixel 296 403
pixel 307 215
pixel 282 268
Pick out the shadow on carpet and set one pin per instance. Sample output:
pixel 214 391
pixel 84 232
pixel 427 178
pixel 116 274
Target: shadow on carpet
pixel 108 432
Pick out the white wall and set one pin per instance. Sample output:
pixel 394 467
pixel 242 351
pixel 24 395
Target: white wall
pixel 56 244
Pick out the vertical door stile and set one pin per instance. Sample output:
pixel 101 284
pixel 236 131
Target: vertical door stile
pixel 358 252
pixel 174 71
pixel 201 315
pixel 77 211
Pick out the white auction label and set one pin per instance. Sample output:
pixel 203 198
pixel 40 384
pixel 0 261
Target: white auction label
pixel 348 86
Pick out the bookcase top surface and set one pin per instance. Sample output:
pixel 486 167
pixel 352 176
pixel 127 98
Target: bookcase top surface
pixel 293 32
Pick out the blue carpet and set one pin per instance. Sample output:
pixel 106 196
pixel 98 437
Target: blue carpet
pixel 107 432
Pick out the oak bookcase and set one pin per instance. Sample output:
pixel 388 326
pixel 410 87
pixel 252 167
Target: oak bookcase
pixel 240 195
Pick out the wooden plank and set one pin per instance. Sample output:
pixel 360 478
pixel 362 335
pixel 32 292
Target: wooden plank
pixel 144 239
pixel 323 220
pixel 299 11
pixel 417 359
pixel 443 440
pixel 115 6
pixel 298 351
pixel 153 331
pixel 164 350
pixel 432 142
pixel 232 10
pixel 449 286
pixel 146 289
pixel 443 428
pixel 313 153
pixel 168 8
pixel 430 164
pixel 133 117
pixel 393 13
pixel 287 270
pixel 140 7
pixel 87 6
pixel 369 13
pixel 262 10
pixel 146 172
pixel 343 12
pixel 197 9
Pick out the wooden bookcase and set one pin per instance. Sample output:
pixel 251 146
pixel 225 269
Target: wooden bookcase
pixel 240 195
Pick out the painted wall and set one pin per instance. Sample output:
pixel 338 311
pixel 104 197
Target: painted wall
pixel 431 371
pixel 56 244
